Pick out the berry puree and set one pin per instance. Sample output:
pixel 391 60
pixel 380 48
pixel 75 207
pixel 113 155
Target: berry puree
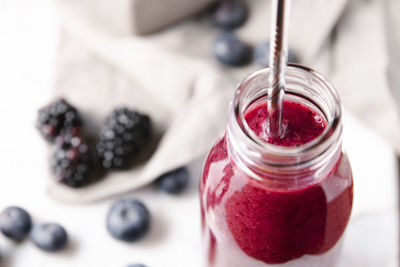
pixel 300 123
pixel 250 222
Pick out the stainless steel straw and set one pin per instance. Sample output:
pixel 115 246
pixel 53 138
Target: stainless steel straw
pixel 278 60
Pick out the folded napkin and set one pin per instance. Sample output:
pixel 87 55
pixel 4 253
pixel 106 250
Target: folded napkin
pixel 126 17
pixel 365 57
pixel 172 76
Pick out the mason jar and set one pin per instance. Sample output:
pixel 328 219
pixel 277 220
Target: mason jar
pixel 265 204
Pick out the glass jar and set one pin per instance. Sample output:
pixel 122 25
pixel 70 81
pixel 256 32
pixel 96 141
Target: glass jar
pixel 269 205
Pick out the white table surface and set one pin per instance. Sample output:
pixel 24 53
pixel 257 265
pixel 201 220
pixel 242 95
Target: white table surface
pixel 28 46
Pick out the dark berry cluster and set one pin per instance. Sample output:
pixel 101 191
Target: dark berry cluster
pixel 121 139
pixel 229 15
pixel 57 117
pixel 72 161
pixel 123 136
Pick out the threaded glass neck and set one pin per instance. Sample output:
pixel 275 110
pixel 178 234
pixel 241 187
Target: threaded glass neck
pixel 303 85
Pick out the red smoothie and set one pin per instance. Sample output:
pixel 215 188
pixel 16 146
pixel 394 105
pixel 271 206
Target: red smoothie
pixel 300 123
pixel 273 224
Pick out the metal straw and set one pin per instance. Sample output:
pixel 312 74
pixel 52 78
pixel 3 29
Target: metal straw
pixel 278 54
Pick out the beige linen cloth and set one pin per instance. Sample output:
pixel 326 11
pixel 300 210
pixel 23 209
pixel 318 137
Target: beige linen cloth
pixel 172 76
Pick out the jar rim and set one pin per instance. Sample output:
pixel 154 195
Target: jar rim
pixel 297 153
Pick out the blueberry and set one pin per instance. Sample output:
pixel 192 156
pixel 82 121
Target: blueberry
pixel 261 55
pixel 128 220
pixel 174 182
pixel 15 223
pixel 136 265
pixel 230 50
pixel 49 237
pixel 229 14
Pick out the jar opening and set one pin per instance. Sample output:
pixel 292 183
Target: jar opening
pixel 303 85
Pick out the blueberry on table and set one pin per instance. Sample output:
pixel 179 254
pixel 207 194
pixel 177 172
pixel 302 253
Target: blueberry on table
pixel 49 237
pixel 229 50
pixel 174 182
pixel 128 220
pixel 15 223
pixel 123 136
pixel 261 55
pixel 57 117
pixel 229 14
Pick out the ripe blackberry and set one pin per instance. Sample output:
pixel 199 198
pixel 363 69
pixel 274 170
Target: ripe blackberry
pixel 72 162
pixel 123 136
pixel 56 117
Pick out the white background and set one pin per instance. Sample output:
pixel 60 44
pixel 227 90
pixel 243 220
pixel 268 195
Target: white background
pixel 28 46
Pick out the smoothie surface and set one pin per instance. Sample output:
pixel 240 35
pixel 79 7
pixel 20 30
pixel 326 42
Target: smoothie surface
pixel 301 124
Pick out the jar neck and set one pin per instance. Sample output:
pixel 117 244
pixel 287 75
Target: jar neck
pixel 279 164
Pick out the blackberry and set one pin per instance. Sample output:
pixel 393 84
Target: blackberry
pixel 72 161
pixel 123 136
pixel 57 117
